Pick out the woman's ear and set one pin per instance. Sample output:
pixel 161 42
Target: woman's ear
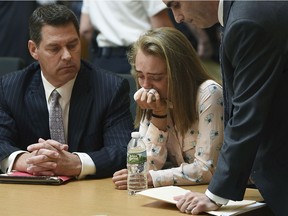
pixel 33 49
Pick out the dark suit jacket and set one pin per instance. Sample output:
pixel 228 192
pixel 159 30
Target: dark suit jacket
pixel 255 77
pixel 100 122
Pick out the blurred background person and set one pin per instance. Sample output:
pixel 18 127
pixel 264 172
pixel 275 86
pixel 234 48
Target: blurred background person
pixel 112 26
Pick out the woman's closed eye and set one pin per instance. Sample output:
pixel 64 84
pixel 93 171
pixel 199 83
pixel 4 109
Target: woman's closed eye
pixel 152 78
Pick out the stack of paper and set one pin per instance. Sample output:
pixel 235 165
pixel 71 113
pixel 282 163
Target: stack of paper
pixel 167 193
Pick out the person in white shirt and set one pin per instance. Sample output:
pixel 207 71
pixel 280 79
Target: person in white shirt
pixel 118 24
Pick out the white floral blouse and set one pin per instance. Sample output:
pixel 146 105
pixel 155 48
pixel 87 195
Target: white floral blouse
pixel 193 158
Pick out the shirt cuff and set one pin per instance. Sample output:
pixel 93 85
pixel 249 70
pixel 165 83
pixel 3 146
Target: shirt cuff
pixel 162 177
pixel 216 198
pixel 88 166
pixel 7 164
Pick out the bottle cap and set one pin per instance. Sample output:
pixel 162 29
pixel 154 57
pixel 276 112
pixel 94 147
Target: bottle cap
pixel 135 134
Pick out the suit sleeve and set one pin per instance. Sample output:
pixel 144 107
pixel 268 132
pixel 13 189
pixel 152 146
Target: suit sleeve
pixel 8 133
pixel 116 128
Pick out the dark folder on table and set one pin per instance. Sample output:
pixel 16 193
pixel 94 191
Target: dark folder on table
pixel 26 178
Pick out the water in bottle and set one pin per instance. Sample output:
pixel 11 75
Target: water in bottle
pixel 136 164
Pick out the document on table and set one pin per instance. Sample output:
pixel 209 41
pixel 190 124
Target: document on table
pixel 167 193
pixel 237 207
pixel 164 193
pixel 26 178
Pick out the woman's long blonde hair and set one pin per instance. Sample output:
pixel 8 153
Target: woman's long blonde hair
pixel 184 70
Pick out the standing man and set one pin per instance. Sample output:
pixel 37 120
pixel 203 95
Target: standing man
pixel 254 58
pixel 93 121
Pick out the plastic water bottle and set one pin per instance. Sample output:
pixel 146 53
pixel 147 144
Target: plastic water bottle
pixel 136 164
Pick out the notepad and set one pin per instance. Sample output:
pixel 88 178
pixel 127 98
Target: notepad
pixel 167 193
pixel 16 177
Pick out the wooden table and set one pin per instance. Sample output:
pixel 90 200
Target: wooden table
pixel 88 198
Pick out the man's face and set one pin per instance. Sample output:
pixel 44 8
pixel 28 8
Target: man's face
pixel 202 14
pixel 58 53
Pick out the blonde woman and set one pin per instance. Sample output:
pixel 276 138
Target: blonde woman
pixel 180 110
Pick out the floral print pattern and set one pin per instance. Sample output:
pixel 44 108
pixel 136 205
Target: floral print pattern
pixel 192 159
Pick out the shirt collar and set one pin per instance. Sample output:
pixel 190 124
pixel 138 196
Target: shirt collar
pixel 65 90
pixel 220 12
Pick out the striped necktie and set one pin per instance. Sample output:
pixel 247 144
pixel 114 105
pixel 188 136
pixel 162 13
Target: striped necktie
pixel 56 119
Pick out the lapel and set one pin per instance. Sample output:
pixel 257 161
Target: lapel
pixel 80 107
pixel 226 9
pixel 37 107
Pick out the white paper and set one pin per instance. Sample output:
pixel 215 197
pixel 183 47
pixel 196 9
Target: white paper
pixel 167 193
pixel 164 193
pixel 236 207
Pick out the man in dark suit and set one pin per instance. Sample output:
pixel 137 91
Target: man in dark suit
pixel 254 58
pixel 95 104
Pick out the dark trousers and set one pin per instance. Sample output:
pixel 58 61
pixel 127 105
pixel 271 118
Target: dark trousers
pixel 113 59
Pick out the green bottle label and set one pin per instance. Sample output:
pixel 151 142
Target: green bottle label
pixel 137 158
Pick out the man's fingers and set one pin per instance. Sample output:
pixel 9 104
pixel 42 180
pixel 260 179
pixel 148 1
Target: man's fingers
pixel 49 155
pixel 58 146
pixel 45 173
pixel 48 144
pixel 40 140
pixel 38 146
pixel 177 198
pixel 43 167
pixel 41 158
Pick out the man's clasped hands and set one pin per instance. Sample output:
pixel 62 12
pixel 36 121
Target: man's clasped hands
pixel 49 158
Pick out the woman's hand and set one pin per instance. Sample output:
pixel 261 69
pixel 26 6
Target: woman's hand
pixel 150 99
pixel 120 179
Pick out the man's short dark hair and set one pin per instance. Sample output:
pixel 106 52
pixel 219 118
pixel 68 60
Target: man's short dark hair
pixel 51 14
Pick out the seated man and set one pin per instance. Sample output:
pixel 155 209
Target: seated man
pixel 95 121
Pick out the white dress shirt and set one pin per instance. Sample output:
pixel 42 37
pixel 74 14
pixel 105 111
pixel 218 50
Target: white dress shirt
pixel 212 196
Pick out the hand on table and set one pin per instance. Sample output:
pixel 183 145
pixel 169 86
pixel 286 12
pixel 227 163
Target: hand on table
pixel 49 157
pixel 120 179
pixel 195 203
